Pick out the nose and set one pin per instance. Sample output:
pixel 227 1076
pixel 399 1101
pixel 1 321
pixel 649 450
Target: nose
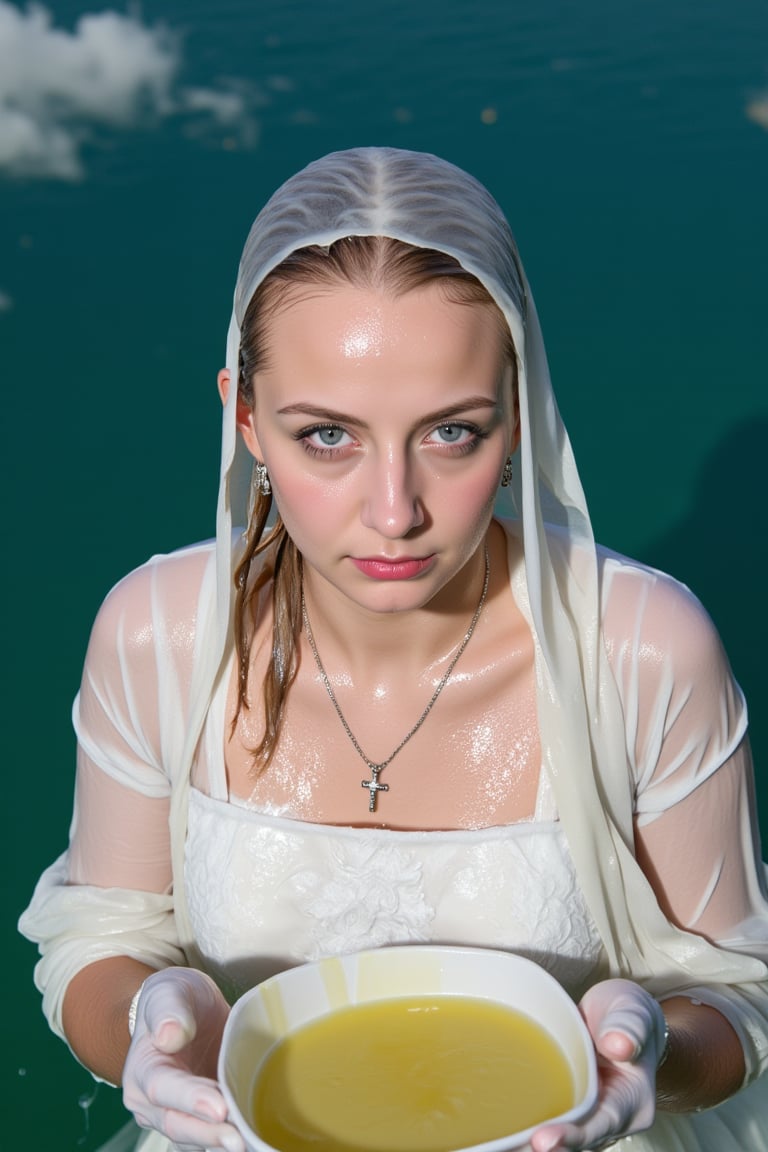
pixel 392 506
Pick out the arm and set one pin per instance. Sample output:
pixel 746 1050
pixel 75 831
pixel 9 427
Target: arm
pixel 696 833
pixel 119 842
pixel 701 857
pixel 697 843
pixel 109 895
pixel 103 914
pixel 705 1064
pixel 95 1014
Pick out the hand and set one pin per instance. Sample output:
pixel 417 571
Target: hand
pixel 627 1029
pixel 169 1079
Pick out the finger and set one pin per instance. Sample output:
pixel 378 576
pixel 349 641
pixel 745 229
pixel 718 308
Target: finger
pixel 168 1014
pixel 172 1034
pixel 572 1137
pixel 631 1020
pixel 187 1132
pixel 547 1139
pixel 625 1105
pixel 630 1013
pixel 618 1047
pixel 174 1090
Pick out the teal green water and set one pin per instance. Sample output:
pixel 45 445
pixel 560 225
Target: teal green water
pixel 615 135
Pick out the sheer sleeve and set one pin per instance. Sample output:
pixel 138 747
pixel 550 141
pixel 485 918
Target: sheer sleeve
pixel 110 894
pixel 696 825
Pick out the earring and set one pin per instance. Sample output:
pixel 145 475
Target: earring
pixel 506 475
pixel 260 480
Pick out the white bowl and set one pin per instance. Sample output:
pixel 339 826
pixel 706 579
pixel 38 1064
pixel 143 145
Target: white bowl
pixel 283 1003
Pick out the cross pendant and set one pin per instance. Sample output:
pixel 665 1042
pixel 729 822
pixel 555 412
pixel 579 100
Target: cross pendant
pixel 373 786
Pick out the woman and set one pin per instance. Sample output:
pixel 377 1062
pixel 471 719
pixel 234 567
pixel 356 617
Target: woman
pixel 551 747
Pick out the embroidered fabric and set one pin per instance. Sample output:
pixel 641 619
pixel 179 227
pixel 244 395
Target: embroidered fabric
pixel 266 892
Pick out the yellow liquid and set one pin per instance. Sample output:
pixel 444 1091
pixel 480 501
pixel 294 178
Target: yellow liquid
pixel 417 1074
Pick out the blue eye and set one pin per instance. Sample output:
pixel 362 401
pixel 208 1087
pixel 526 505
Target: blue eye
pixel 329 436
pixel 324 439
pixel 461 437
pixel 452 433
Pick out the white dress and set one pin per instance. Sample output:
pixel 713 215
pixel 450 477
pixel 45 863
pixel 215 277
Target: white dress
pixel 265 891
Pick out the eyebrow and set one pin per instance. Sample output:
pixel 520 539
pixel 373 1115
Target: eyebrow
pixel 442 414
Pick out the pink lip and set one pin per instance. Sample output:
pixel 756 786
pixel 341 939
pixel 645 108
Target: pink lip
pixel 378 568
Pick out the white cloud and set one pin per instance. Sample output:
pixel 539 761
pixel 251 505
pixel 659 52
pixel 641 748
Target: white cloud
pixel 224 107
pixel 58 87
pixel 6 303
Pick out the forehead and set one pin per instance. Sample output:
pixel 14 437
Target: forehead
pixel 362 323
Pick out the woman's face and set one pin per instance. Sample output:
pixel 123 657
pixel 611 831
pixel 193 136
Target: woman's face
pixel 384 425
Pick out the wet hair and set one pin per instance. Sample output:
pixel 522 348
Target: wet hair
pixel 376 262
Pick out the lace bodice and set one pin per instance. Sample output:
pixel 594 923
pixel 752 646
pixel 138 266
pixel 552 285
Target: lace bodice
pixel 266 892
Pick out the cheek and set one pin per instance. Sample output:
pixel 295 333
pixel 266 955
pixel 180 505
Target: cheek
pixel 307 506
pixel 474 492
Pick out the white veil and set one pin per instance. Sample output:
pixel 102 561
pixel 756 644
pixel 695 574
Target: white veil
pixel 428 202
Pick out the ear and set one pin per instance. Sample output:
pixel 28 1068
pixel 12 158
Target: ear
pixel 222 383
pixel 244 416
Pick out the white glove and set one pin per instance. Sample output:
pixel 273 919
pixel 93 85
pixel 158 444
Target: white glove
pixel 169 1079
pixel 628 1030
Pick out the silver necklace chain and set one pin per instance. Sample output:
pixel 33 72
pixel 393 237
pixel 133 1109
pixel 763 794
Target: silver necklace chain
pixel 373 784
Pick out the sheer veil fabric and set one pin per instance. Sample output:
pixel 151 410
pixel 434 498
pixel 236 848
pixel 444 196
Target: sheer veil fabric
pixel 427 202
